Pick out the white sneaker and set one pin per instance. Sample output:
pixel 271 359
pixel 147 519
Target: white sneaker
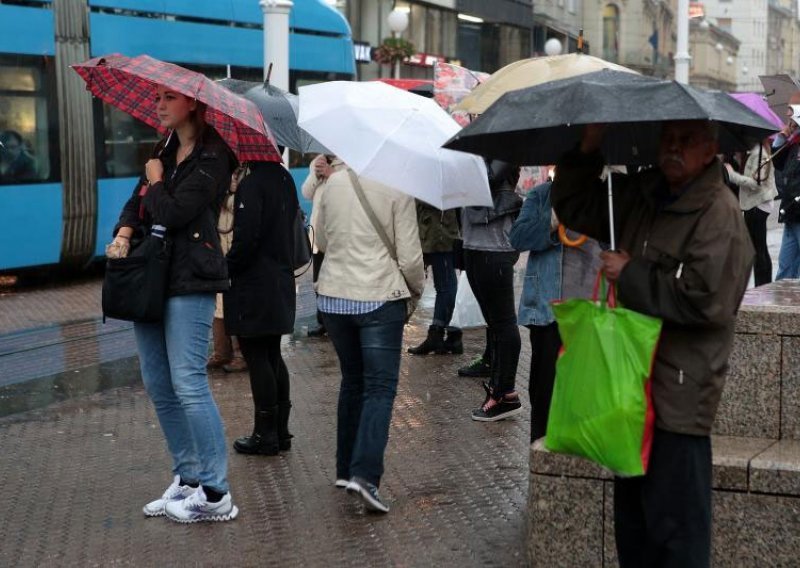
pixel 196 508
pixel 342 483
pixel 175 492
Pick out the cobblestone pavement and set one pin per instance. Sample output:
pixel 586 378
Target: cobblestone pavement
pixel 77 468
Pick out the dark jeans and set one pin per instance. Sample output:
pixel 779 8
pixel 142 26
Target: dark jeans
pixel 545 344
pixel 664 518
pixel 756 221
pixel 316 265
pixel 446 284
pixel 491 276
pixel 368 347
pixel 269 377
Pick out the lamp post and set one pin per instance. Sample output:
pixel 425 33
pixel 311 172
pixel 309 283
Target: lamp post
pixel 552 46
pixel 276 40
pixel 398 22
pixel 682 57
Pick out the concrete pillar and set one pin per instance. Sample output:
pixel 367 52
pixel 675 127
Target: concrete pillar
pixel 276 40
pixel 682 56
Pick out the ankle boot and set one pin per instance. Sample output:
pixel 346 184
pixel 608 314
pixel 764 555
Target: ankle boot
pixel 284 437
pixel 264 440
pixel 452 344
pixel 433 342
pixel 223 349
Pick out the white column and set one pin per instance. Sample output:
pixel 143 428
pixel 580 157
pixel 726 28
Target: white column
pixel 682 57
pixel 276 40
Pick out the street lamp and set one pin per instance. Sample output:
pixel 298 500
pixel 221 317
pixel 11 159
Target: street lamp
pixel 398 23
pixel 552 46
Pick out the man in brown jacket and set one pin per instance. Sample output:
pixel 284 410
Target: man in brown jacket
pixel 685 257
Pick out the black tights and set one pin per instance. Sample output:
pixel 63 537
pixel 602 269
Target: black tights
pixel 269 377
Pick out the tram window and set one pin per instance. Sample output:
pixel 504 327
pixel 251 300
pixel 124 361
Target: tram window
pixel 125 143
pixel 26 132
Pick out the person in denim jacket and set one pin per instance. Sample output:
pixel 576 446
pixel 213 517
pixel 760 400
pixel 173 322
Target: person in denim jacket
pixel 554 272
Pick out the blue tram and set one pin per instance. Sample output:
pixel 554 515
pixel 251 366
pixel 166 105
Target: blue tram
pixel 67 161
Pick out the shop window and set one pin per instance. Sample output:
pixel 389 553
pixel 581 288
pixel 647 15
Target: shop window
pixel 28 125
pixel 611 33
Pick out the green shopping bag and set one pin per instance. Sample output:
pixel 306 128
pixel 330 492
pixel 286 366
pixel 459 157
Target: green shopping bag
pixel 601 407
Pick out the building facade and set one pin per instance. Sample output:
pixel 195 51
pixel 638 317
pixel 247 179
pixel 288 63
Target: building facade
pixel 480 34
pixel 714 54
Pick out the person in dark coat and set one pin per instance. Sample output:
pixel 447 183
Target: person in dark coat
pixel 260 305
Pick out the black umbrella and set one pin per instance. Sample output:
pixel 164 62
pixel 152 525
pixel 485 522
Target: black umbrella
pixel 280 111
pixel 538 124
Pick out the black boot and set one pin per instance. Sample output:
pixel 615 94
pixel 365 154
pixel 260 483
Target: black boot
pixel 433 342
pixel 452 344
pixel 284 437
pixel 264 440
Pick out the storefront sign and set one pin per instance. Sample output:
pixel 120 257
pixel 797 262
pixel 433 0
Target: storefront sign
pixel 425 59
pixel 362 51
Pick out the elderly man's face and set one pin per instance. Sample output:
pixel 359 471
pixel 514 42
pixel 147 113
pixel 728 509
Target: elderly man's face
pixel 686 149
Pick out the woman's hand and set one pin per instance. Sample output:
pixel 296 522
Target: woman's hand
pixel 322 169
pixel 154 171
pixel 119 247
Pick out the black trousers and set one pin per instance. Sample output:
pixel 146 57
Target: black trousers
pixel 491 276
pixel 269 377
pixel 756 221
pixel 664 518
pixel 545 345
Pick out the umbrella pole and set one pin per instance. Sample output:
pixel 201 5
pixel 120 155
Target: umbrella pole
pixel 613 240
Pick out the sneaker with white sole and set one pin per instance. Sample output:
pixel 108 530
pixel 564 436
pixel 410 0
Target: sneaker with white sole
pixel 197 508
pixel 368 493
pixel 175 492
pixel 341 483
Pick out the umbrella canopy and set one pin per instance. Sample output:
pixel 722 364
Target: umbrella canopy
pixel 530 72
pixel 778 89
pixel 422 87
pixel 128 83
pixel 537 125
pixel 280 110
pixel 758 104
pixel 394 137
pixel 451 83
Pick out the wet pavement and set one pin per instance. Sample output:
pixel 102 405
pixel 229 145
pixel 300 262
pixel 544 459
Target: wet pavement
pixel 82 452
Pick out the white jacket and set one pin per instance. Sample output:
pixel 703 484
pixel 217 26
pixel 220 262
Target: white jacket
pixel 357 264
pixel 751 194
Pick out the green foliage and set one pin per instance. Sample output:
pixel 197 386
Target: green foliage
pixel 393 49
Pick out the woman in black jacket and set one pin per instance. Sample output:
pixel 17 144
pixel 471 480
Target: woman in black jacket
pixel 180 202
pixel 260 305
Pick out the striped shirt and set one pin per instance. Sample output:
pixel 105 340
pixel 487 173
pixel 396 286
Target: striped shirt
pixel 343 306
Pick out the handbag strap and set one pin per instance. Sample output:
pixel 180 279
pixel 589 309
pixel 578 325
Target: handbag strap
pixel 371 214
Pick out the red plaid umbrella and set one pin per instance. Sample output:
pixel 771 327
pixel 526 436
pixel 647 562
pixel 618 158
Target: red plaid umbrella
pixel 128 83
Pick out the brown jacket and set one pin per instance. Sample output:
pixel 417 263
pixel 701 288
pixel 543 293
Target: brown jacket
pixel 691 261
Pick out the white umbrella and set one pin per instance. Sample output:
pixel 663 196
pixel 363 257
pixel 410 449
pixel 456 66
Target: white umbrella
pixel 394 137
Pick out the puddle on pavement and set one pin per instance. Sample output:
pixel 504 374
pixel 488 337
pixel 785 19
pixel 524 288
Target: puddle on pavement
pixel 42 392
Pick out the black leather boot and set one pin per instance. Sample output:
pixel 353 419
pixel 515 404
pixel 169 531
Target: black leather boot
pixel 434 342
pixel 284 437
pixel 452 344
pixel 264 440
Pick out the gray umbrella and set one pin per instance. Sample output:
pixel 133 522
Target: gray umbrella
pixel 537 125
pixel 280 110
pixel 778 89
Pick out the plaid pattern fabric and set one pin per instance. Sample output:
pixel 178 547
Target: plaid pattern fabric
pixel 343 306
pixel 129 83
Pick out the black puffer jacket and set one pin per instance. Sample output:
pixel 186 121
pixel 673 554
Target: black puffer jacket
pixel 187 204
pixel 262 297
pixel 787 180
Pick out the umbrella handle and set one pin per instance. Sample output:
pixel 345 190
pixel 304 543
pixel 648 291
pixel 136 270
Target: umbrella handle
pixel 565 240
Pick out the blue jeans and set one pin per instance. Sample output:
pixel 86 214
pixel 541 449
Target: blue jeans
pixel 789 256
pixel 444 280
pixel 368 347
pixel 173 355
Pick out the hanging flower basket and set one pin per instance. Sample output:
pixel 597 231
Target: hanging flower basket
pixel 392 50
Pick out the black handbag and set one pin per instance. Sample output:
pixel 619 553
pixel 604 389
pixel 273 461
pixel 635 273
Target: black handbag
pixel 302 243
pixel 135 287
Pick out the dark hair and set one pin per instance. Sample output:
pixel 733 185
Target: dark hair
pixel 7 135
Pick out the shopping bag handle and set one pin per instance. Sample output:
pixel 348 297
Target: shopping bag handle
pixel 609 295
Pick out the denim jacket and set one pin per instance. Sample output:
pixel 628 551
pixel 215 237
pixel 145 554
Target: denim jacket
pixel 531 232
